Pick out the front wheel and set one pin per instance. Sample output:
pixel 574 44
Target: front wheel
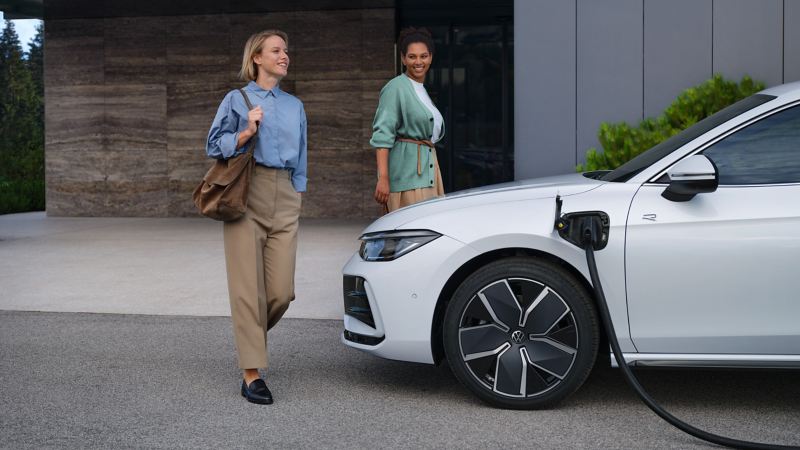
pixel 521 333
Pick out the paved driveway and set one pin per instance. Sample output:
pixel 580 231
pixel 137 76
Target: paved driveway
pixel 153 266
pixel 73 380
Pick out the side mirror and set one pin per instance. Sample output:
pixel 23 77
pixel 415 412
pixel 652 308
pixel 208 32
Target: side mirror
pixel 694 175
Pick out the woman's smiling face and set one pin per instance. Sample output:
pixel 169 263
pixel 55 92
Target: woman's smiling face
pixel 417 60
pixel 274 57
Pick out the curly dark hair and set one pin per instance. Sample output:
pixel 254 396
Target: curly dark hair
pixel 413 35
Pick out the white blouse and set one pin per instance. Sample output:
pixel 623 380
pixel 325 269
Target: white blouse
pixel 422 94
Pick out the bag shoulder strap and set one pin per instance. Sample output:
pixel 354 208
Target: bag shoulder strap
pixel 246 99
pixel 251 145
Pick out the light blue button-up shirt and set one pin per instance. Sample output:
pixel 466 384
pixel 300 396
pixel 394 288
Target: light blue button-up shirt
pixel 281 139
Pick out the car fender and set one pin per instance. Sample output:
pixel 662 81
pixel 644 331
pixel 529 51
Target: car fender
pixel 529 224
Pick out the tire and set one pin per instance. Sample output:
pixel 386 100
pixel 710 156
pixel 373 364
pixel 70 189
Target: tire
pixel 529 350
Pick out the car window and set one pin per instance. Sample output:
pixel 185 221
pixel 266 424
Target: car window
pixel 628 170
pixel 766 152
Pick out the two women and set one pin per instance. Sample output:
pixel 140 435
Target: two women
pixel 260 248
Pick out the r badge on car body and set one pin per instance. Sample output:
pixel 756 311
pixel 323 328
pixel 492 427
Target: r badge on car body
pixel 650 217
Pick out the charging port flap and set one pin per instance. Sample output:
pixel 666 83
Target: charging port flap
pixel 572 226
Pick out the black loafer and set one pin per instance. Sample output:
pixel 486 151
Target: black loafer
pixel 257 392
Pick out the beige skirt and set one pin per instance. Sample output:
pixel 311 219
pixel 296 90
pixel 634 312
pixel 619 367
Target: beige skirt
pixel 400 199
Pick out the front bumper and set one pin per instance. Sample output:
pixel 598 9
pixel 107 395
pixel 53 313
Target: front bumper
pixel 389 305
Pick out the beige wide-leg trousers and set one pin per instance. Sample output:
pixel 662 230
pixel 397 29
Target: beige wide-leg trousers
pixel 260 251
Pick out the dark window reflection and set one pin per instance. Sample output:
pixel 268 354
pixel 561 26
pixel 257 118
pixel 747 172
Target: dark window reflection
pixel 765 152
pixel 477 103
pixel 471 83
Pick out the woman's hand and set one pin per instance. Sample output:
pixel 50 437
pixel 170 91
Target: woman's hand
pixel 254 116
pixel 382 190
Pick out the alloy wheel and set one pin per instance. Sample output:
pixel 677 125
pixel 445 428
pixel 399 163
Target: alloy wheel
pixel 518 337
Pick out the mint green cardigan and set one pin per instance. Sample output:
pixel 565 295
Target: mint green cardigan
pixel 401 114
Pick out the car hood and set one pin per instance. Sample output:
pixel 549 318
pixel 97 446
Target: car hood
pixel 531 189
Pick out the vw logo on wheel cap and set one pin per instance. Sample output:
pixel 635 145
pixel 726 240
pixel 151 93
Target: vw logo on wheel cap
pixel 517 337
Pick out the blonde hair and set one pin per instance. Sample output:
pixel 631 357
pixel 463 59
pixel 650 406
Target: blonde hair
pixel 252 47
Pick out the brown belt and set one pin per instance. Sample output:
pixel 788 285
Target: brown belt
pixel 419 143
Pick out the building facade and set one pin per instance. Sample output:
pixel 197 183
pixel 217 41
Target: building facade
pixel 131 87
pixel 587 61
pixel 130 98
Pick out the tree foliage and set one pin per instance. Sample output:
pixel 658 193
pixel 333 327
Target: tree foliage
pixel 35 60
pixel 21 124
pixel 621 141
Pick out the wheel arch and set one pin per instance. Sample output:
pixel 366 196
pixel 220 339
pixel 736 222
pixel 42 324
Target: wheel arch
pixel 469 267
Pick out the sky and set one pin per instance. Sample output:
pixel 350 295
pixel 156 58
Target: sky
pixel 26 29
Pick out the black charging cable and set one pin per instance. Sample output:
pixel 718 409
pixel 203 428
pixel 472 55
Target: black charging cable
pixel 590 236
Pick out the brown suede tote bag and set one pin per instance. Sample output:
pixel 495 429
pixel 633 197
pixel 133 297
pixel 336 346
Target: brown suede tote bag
pixel 222 195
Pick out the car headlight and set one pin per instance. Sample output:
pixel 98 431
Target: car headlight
pixel 389 245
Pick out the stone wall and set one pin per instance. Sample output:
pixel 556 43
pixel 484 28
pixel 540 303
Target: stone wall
pixel 128 104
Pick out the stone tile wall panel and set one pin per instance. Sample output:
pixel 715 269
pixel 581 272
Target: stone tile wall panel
pixel 197 47
pixel 134 118
pixel 135 50
pixel 74 52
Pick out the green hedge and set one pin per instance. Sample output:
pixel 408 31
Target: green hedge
pixel 21 196
pixel 621 142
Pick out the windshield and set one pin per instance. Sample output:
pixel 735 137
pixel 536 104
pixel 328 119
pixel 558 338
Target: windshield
pixel 629 169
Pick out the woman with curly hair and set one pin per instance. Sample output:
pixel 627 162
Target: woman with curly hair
pixel 406 128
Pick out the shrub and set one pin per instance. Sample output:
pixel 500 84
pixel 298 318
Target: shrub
pixel 21 195
pixel 621 142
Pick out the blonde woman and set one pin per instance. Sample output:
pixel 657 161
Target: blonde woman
pixel 260 248
pixel 407 125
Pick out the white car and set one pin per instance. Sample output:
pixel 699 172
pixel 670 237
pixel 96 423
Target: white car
pixel 700 264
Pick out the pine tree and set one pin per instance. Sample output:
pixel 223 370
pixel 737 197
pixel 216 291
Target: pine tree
pixel 10 64
pixel 36 59
pixel 35 64
pixel 16 94
pixel 21 130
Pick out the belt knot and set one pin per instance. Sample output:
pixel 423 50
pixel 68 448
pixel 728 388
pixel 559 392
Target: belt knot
pixel 420 143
